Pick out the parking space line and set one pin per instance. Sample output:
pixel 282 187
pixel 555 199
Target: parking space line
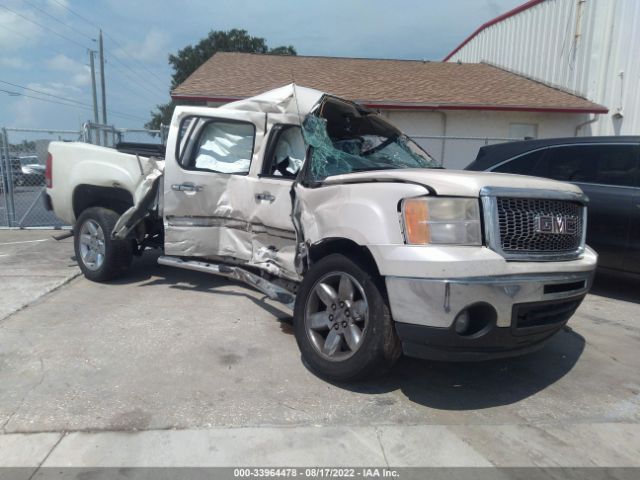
pixel 25 241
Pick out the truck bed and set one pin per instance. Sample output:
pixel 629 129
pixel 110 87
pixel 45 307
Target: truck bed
pixel 142 149
pixel 76 166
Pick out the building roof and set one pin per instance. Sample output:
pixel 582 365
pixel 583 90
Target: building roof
pixel 504 16
pixel 398 84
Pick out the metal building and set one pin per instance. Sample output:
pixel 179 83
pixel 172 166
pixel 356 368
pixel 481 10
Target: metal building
pixel 588 47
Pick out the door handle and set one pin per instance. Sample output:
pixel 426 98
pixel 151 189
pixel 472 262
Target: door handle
pixel 266 196
pixel 186 187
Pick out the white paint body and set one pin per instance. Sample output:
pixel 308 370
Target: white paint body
pixel 76 163
pixel 225 218
pixel 590 48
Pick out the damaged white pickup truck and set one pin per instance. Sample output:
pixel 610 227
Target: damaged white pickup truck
pixel 326 207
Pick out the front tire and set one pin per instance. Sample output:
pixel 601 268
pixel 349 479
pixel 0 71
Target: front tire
pixel 100 257
pixel 342 322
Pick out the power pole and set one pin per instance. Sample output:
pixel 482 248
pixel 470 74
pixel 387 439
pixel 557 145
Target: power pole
pixel 104 92
pixel 93 90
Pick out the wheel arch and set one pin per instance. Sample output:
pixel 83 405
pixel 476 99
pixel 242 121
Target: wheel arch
pixel 113 198
pixel 347 247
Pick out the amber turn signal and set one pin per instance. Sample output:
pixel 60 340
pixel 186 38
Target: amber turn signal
pixel 416 216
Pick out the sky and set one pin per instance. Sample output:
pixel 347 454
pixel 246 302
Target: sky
pixel 45 79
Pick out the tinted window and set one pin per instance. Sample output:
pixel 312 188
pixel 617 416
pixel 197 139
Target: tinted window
pixel 524 165
pixel 606 164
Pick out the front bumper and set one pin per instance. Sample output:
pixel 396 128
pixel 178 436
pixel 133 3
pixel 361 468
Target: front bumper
pixel 515 313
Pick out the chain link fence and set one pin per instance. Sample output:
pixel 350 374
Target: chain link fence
pixel 23 154
pixel 456 152
pixel 108 135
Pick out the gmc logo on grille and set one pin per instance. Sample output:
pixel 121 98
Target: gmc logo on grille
pixel 558 224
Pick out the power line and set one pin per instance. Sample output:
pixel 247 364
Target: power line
pixel 42 93
pixel 45 27
pixel 130 86
pixel 139 91
pixel 19 94
pixel 140 75
pixel 16 32
pixel 122 49
pixel 71 27
pixel 132 82
pixel 82 17
pixel 29 38
pixel 70 102
pixel 84 47
pixel 76 14
pixel 135 81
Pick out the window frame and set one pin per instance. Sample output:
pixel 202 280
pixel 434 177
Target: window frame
pixel 189 137
pixel 549 147
pixel 634 149
pixel 542 152
pixel 274 136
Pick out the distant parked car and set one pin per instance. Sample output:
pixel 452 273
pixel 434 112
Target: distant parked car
pixel 16 172
pixel 607 169
pixel 32 171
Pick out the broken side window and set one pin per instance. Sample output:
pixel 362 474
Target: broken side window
pixel 346 139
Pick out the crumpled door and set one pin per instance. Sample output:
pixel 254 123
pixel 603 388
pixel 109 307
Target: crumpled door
pixel 207 199
pixel 274 236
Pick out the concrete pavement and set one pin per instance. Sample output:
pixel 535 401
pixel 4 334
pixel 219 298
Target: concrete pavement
pixel 32 264
pixel 177 368
pixel 593 445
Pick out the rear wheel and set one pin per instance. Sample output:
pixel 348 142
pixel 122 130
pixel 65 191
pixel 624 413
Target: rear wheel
pixel 100 257
pixel 342 322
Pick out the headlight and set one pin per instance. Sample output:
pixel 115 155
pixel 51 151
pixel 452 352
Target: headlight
pixel 442 220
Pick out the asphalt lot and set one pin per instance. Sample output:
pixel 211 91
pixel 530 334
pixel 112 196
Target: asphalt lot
pixel 171 367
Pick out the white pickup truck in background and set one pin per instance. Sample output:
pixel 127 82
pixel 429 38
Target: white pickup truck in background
pixel 326 207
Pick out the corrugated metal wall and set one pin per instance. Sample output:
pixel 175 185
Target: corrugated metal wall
pixel 589 47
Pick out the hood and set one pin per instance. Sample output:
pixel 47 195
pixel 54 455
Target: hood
pixel 455 182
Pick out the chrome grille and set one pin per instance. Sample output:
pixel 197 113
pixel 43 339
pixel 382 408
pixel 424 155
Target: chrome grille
pixel 534 224
pixel 517 218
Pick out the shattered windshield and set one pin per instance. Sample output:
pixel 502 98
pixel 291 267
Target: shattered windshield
pixel 345 139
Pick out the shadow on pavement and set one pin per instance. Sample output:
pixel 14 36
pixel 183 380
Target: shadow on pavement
pixel 441 385
pixel 619 286
pixel 477 385
pixel 146 269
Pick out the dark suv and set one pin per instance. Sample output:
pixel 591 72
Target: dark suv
pixel 607 169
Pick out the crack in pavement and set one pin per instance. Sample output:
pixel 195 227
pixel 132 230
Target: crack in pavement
pixel 35 471
pixel 52 290
pixel 384 453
